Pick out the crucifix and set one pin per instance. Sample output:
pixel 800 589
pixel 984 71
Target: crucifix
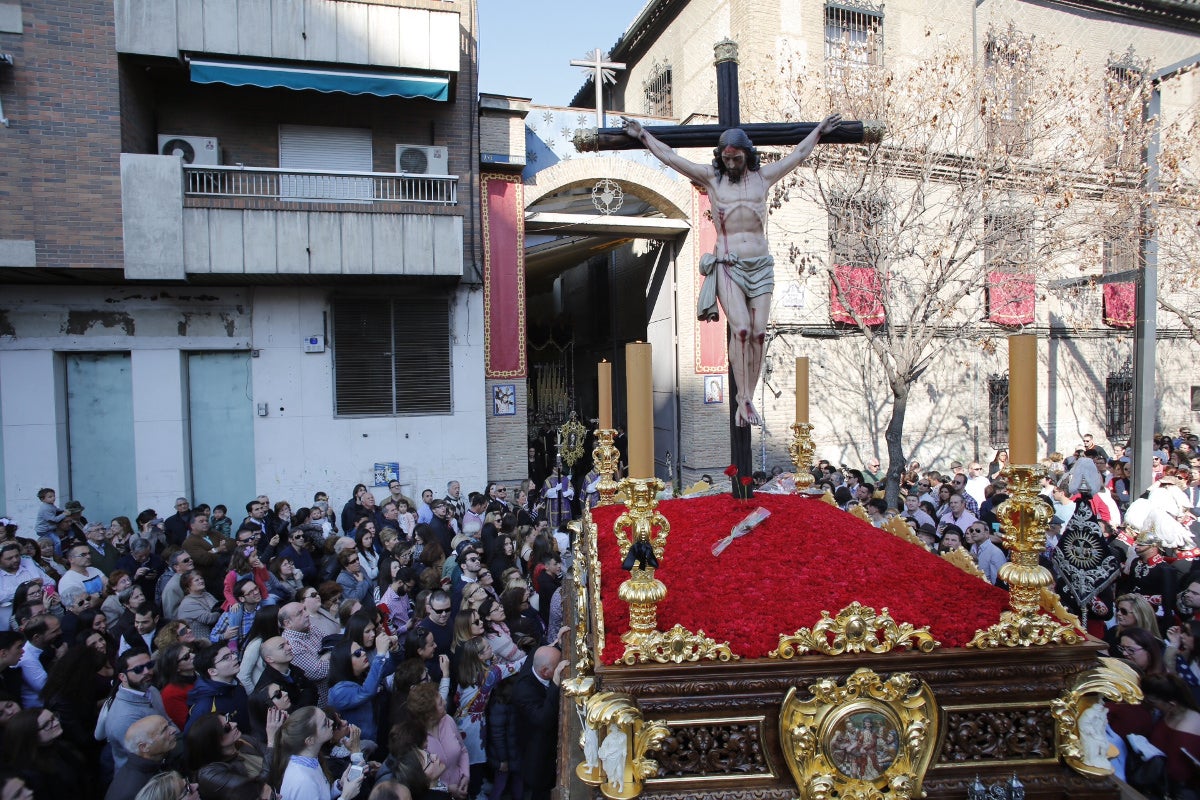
pixel 740 273
pixel 602 72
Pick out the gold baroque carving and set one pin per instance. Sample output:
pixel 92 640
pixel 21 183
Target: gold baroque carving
pixel 868 739
pixel 802 449
pixel 861 513
pixel 1052 603
pixel 610 714
pixel 595 603
pixel 1023 630
pixel 962 559
pixel 856 628
pixel 900 529
pixel 674 647
pixel 1114 680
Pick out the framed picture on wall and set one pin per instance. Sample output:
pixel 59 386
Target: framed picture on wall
pixel 385 472
pixel 504 400
pixel 714 389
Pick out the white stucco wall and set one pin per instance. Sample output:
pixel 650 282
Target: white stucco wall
pixel 299 446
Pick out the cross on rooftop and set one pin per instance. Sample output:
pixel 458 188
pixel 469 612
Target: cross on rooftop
pixel 603 71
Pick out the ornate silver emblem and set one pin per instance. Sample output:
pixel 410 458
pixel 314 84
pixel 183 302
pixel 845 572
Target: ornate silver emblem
pixel 607 196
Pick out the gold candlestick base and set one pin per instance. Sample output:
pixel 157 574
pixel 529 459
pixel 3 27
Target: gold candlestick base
pixel 802 450
pixel 1023 518
pixel 606 458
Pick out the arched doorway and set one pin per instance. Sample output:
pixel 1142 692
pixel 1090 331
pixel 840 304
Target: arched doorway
pixel 603 240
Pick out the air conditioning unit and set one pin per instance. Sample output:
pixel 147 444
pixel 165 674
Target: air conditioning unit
pixel 202 151
pixel 416 159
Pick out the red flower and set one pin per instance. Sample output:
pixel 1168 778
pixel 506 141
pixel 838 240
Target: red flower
pixel 747 480
pixel 731 470
pixel 705 591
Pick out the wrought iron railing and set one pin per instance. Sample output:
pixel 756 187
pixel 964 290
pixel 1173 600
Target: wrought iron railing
pixel 320 186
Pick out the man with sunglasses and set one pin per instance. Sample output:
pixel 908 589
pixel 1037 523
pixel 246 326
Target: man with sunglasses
pixel 440 621
pixel 217 686
pixel 170 593
pixel 987 555
pixel 134 697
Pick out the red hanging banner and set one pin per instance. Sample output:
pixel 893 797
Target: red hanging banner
pixel 1120 300
pixel 861 287
pixel 1011 298
pixel 711 354
pixel 503 276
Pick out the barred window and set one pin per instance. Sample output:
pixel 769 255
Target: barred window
pixel 1008 241
pixel 1122 242
pixel 1126 89
pixel 657 89
pixel 853 34
pixel 391 356
pixel 998 411
pixel 1005 61
pixel 1118 405
pixel 855 227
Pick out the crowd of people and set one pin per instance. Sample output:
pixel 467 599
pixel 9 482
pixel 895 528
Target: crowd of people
pixel 402 648
pixel 393 649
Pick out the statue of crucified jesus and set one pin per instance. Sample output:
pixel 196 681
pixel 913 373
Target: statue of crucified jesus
pixel 741 272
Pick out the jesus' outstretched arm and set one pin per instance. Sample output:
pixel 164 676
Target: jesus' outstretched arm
pixel 774 171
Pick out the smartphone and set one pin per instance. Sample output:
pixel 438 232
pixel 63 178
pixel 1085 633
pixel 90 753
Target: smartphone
pixel 356 772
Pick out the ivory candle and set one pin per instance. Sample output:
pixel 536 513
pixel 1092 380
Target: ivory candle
pixel 604 382
pixel 1022 399
pixel 640 408
pixel 801 390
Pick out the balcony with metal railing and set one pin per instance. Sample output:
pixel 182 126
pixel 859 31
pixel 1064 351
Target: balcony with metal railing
pixel 324 186
pixel 181 221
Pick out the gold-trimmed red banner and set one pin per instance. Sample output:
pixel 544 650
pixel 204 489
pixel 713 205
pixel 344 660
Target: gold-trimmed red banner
pixel 503 276
pixel 1120 304
pixel 1011 297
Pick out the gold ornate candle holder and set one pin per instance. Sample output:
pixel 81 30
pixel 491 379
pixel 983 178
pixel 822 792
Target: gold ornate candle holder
pixel 1023 519
pixel 606 459
pixel 802 450
pixel 641 536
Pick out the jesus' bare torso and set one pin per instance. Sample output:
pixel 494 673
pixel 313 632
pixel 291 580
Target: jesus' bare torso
pixel 740 263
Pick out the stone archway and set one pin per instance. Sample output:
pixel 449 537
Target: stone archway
pixel 671 196
pixel 669 217
pixel 624 259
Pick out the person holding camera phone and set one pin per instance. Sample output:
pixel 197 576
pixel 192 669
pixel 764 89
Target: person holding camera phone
pixel 297 766
pixel 143 566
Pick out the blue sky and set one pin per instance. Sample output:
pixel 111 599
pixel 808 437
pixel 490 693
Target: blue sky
pixel 526 46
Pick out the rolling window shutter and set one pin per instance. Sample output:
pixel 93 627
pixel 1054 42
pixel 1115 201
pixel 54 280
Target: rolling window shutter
pixel 392 356
pixel 422 355
pixel 318 147
pixel 362 337
pixel 327 149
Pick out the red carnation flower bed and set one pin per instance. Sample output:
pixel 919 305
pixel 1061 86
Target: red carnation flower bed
pixel 808 556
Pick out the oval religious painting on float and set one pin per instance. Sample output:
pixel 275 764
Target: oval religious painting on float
pixel 862 745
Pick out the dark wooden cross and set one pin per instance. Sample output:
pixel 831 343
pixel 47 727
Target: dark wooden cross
pixel 761 133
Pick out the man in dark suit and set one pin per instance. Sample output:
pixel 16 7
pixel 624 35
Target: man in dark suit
pixel 535 701
pixel 276 654
pixel 178 524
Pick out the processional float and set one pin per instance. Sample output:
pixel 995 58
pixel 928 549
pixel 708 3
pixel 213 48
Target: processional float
pixel 860 704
